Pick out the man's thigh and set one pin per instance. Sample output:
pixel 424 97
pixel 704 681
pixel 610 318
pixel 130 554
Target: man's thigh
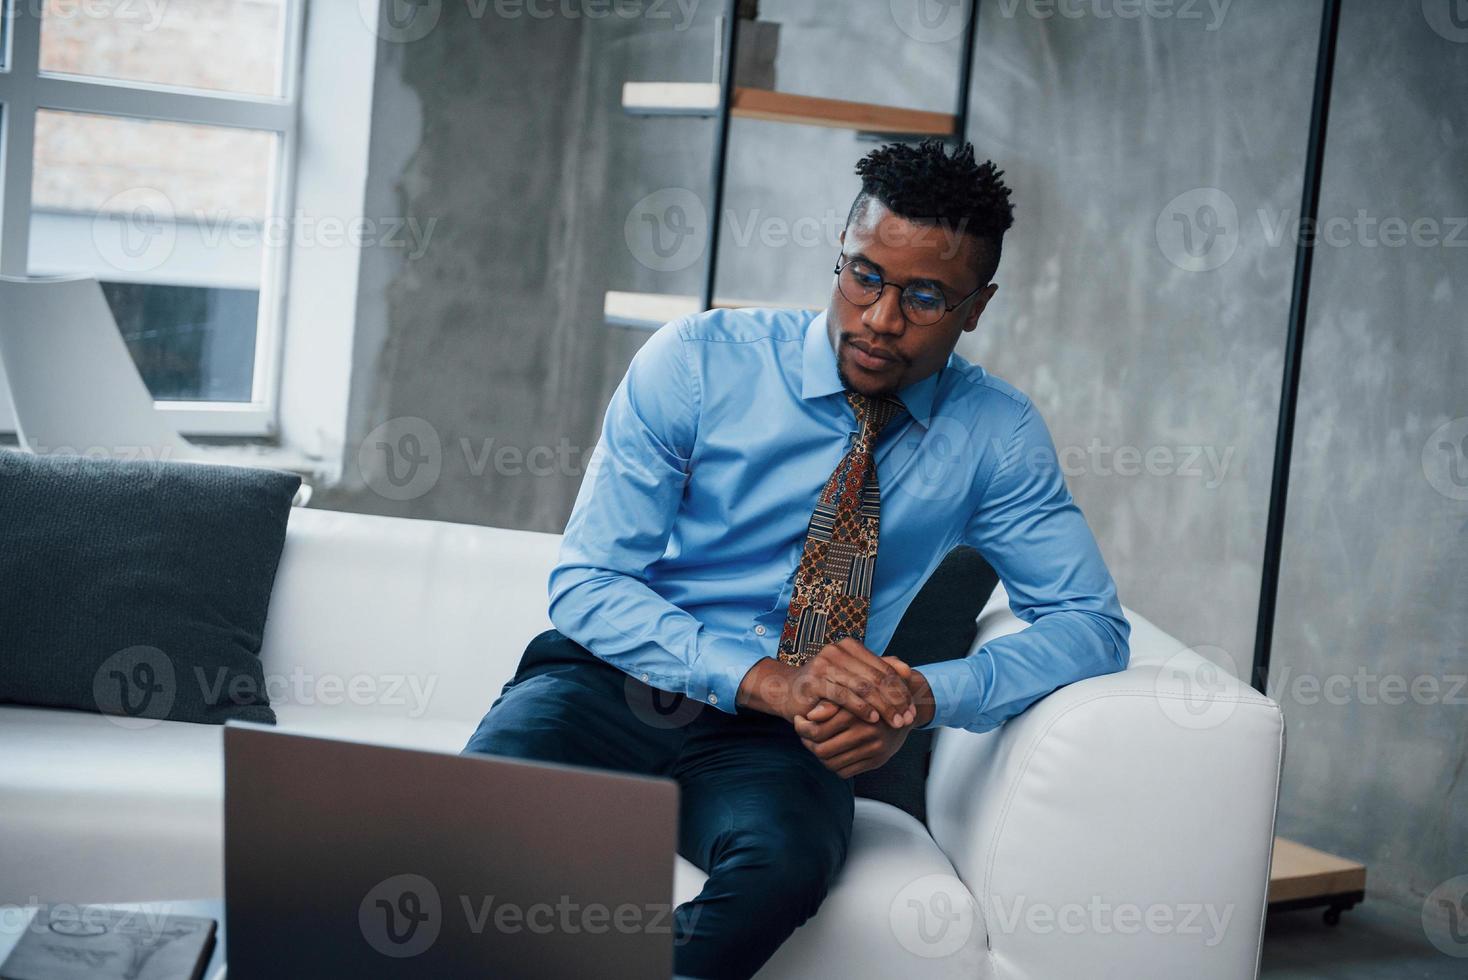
pixel 566 705
pixel 748 783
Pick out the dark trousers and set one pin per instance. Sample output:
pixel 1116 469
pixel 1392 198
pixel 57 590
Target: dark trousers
pixel 768 823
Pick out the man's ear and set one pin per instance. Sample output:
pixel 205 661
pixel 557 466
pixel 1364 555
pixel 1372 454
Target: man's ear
pixel 842 238
pixel 980 301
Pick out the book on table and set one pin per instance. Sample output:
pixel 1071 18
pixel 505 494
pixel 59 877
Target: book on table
pixel 93 942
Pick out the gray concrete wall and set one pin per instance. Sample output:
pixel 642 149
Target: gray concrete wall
pixel 1372 636
pixel 1143 303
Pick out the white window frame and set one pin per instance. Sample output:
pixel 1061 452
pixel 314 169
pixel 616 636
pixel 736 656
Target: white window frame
pixel 25 89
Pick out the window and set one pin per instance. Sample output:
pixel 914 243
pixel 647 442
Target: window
pixel 152 146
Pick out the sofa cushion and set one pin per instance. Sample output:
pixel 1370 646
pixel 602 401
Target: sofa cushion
pixel 138 588
pixel 940 624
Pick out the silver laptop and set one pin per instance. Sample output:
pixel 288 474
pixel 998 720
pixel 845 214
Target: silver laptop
pixel 355 860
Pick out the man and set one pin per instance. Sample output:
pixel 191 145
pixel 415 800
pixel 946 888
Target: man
pixel 723 548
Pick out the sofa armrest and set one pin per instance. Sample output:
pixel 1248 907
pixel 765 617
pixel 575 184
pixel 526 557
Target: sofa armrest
pixel 1122 826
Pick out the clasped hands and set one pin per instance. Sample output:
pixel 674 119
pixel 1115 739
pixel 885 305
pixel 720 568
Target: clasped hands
pixel 851 708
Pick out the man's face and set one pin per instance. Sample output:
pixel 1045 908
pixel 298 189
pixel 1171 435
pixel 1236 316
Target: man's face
pixel 877 350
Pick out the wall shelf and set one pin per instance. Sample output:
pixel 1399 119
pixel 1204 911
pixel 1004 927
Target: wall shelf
pixel 702 99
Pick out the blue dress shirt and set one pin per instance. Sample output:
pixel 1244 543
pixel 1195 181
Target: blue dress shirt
pixel 679 557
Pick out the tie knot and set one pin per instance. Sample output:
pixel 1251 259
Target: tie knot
pixel 873 414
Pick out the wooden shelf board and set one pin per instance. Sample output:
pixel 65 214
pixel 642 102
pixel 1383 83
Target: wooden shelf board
pixel 1298 871
pixel 652 310
pixel 702 99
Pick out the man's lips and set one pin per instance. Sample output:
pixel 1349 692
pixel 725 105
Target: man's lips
pixel 871 358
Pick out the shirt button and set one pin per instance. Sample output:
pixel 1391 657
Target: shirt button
pixel 713 698
pixel 759 630
pixel 644 677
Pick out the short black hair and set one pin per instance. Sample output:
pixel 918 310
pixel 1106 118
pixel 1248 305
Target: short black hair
pixel 927 184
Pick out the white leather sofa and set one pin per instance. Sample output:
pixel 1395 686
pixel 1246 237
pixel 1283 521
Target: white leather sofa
pixel 1119 828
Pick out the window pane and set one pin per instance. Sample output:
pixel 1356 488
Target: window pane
pixel 190 343
pixel 173 219
pixel 223 45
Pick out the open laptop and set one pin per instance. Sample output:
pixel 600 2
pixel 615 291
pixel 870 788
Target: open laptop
pixel 355 860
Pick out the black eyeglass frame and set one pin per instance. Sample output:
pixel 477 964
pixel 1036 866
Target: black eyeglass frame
pixel 947 309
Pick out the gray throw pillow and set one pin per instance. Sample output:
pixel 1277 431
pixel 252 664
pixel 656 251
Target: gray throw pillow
pixel 138 588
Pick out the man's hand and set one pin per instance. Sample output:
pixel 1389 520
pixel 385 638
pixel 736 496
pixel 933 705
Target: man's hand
pixel 845 673
pixel 846 744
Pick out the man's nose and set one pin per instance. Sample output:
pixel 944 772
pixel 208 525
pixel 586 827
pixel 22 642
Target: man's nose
pixel 885 315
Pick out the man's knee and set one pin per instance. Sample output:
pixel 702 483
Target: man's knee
pixel 787 864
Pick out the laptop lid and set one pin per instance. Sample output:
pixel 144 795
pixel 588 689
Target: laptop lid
pixel 349 859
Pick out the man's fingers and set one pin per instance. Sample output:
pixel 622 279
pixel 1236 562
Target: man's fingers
pixel 820 731
pixel 888 693
pixel 840 760
pixel 891 683
pixel 824 711
pixel 839 744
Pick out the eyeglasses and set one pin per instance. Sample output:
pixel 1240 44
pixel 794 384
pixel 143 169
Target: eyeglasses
pixel 922 303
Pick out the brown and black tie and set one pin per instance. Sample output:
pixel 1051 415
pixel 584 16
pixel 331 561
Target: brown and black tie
pixel 833 583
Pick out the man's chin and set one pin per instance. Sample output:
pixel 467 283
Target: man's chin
pixel 869 383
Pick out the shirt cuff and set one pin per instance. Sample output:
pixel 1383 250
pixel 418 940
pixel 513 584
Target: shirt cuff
pixel 715 677
pixel 956 692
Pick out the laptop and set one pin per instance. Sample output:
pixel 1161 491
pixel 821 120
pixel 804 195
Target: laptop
pixel 355 860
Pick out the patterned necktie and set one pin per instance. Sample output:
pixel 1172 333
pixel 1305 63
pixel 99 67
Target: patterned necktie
pixel 833 584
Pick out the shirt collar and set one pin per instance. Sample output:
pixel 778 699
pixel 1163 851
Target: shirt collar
pixel 819 377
